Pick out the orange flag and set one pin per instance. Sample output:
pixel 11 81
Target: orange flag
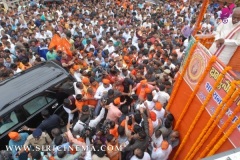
pixel 65 44
pixel 55 41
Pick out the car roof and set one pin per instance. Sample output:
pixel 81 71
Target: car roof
pixel 30 82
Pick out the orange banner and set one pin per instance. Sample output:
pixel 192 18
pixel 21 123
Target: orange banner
pixel 196 67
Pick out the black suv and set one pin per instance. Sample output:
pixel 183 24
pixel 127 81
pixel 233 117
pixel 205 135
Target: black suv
pixel 25 95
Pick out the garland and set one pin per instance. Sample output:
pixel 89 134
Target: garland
pixel 224 138
pixel 218 81
pixel 200 16
pixel 210 63
pixel 212 123
pixel 222 129
pixel 180 78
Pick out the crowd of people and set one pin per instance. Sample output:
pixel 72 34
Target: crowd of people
pixel 125 57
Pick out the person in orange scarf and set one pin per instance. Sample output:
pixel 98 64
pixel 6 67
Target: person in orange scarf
pixel 113 129
pixel 127 61
pixel 112 148
pixel 89 98
pixel 74 69
pixel 24 65
pixel 86 83
pixel 94 84
pixel 142 89
pixel 80 102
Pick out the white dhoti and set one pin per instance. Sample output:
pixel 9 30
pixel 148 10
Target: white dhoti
pixel 231 35
pixel 225 55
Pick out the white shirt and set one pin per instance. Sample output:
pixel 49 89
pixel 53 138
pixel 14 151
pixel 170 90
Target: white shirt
pixel 79 126
pixel 146 24
pixel 161 97
pixel 160 114
pixel 150 104
pixel 230 44
pixel 171 66
pixel 157 141
pixel 90 46
pixel 101 90
pixel 110 49
pixel 126 35
pixel 155 123
pixel 76 89
pixel 48 34
pixel 208 26
pixel 159 154
pixel 77 76
pixel 17 71
pixel 146 156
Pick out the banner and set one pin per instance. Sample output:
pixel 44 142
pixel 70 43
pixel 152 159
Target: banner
pixel 198 63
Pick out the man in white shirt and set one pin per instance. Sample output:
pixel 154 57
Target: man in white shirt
pixel 149 102
pixel 147 24
pixel 227 38
pixel 162 96
pixel 126 34
pixel 102 89
pixel 157 139
pixel 110 47
pixel 140 155
pixel 159 110
pixel 78 86
pixel 47 33
pixel 162 152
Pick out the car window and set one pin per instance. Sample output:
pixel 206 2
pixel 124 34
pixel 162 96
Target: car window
pixel 36 104
pixel 8 121
pixel 49 99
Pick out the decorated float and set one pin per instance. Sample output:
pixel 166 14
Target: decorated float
pixel 205 101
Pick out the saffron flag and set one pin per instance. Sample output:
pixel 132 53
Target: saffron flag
pixel 66 45
pixel 55 41
pixel 61 44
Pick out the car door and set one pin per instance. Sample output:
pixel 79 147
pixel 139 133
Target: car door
pixel 34 107
pixel 11 121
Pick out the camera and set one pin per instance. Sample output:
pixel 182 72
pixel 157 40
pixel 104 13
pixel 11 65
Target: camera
pixel 87 131
pixel 105 127
pixel 104 100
